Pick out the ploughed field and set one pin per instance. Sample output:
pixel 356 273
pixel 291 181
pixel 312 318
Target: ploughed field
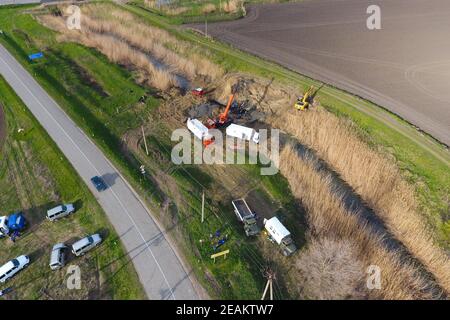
pixel 403 67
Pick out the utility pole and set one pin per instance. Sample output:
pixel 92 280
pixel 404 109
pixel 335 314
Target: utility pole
pixel 145 140
pixel 269 274
pixel 206 25
pixel 203 206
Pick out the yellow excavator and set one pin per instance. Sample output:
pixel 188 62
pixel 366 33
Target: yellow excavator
pixel 304 102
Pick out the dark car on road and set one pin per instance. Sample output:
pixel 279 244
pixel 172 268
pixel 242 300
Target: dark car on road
pixel 98 183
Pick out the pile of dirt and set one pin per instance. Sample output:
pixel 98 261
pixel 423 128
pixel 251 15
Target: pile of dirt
pixel 204 109
pixel 265 96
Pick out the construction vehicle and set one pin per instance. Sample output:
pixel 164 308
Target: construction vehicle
pixel 10 224
pixel 200 131
pixel 304 102
pixel 223 118
pixel 243 133
pixel 246 216
pixel 279 234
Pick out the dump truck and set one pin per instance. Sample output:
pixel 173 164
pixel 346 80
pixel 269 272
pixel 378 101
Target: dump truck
pixel 200 131
pixel 246 216
pixel 243 133
pixel 279 234
pixel 12 223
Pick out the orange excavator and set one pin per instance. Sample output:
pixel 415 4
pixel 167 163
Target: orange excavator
pixel 223 119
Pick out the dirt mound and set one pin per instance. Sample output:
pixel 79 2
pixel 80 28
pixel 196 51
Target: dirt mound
pixel 203 109
pixel 265 95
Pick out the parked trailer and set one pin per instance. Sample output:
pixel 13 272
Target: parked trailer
pixel 246 216
pixel 280 235
pixel 199 130
pixel 243 133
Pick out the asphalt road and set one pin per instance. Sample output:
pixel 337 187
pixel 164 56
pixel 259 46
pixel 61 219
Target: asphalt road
pixel 160 271
pixel 11 2
pixel 404 67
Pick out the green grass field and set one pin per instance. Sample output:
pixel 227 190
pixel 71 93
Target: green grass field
pixel 34 176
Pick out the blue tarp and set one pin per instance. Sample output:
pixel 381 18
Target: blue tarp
pixel 35 56
pixel 16 221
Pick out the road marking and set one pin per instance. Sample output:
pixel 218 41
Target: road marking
pixel 92 165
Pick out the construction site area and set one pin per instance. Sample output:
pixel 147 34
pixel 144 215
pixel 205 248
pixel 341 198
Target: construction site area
pixel 340 203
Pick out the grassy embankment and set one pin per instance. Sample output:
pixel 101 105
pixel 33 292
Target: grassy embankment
pixel 180 12
pixel 192 11
pixel 34 176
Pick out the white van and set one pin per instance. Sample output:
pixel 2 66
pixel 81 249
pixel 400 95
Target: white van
pixel 9 269
pixel 84 245
pixel 60 211
pixel 58 256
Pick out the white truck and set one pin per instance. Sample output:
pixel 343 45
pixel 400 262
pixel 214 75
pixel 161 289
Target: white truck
pixel 243 133
pixel 199 130
pixel 278 232
pixel 246 216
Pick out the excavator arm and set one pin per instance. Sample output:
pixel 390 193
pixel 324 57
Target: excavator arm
pixel 223 117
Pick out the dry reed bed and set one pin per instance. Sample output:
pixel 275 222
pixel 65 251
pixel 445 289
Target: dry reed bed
pixel 123 40
pixel 137 39
pixel 330 269
pixel 228 6
pixel 375 178
pixel 232 6
pixel 116 51
pixel 171 11
pixel 329 219
pixel 208 8
pixel 160 43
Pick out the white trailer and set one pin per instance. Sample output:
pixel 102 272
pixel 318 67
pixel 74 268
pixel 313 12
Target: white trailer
pixel 280 235
pixel 199 130
pixel 241 132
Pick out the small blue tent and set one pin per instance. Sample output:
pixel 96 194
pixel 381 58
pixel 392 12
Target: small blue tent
pixel 16 221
